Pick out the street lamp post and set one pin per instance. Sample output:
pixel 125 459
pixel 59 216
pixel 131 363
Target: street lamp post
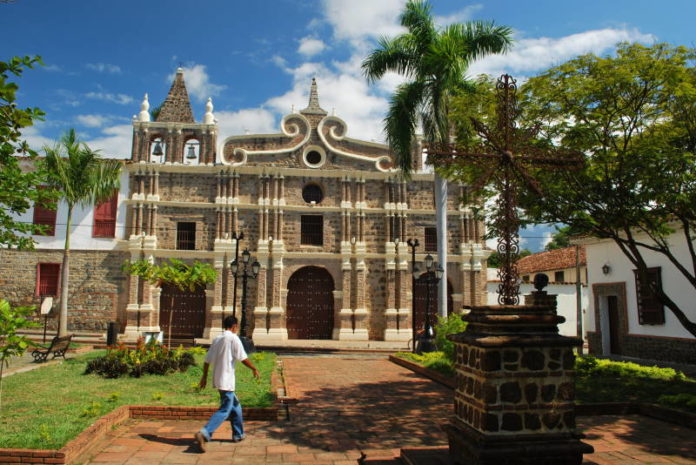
pixel 238 238
pixel 246 274
pixel 413 244
pixel 426 343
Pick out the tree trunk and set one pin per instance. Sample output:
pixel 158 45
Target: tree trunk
pixel 64 277
pixel 442 245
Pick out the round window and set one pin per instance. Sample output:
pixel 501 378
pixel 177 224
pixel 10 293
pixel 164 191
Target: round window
pixel 312 193
pixel 313 157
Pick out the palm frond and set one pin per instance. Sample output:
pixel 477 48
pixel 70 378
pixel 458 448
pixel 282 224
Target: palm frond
pixel 418 20
pixel 401 122
pixel 391 55
pixel 477 39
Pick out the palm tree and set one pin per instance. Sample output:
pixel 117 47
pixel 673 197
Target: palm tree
pixel 435 62
pixel 82 178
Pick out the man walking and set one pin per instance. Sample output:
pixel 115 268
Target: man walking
pixel 225 351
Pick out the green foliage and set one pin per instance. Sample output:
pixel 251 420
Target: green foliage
pixel 494 259
pixel 437 361
pixel 683 400
pixel 152 358
pixel 633 115
pixel 452 324
pixel 560 239
pixel 31 397
pixel 17 185
pixel 174 272
pixel 435 62
pixel 13 319
pixel 602 380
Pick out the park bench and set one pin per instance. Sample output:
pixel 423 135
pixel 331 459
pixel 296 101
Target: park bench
pixel 58 347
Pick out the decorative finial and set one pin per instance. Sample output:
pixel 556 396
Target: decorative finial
pixel 209 118
pixel 292 108
pixel 180 70
pixel 144 114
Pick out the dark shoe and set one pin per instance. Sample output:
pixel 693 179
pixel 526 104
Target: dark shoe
pixel 200 439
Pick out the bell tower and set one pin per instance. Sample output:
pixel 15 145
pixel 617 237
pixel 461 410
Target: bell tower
pixel 174 136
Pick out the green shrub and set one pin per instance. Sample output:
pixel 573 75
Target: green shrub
pixel 152 358
pixel 679 400
pixel 592 366
pixel 452 324
pixel 437 361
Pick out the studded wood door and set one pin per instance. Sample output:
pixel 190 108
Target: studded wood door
pixel 184 310
pixel 421 291
pixel 310 304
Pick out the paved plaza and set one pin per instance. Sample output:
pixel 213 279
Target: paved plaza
pixel 350 405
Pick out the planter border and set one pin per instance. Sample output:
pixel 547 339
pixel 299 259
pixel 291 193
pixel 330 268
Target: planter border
pixel 83 441
pixel 659 412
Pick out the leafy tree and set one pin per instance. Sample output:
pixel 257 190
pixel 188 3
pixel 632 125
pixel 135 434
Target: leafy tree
pixel 434 62
pixel 494 259
pixel 17 186
pixel 560 239
pixel 634 116
pixel 12 344
pixel 84 179
pixel 174 272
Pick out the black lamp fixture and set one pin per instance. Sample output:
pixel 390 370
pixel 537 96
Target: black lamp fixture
pixel 413 244
pixel 433 275
pixel 606 269
pixel 245 274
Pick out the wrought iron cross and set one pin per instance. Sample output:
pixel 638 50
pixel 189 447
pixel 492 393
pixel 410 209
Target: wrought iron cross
pixel 504 154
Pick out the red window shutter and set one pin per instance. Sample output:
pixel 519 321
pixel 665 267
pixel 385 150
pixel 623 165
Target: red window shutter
pixel 44 216
pixel 48 276
pixel 105 217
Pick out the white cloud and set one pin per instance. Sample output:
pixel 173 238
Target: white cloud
pixel 198 83
pixel 310 46
pixel 92 121
pixel 530 55
pixel 104 68
pixel 362 19
pixel 33 136
pixel 461 16
pixel 253 120
pixel 115 141
pixel 546 238
pixel 121 99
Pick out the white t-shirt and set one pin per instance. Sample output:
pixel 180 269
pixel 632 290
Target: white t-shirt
pixel 224 352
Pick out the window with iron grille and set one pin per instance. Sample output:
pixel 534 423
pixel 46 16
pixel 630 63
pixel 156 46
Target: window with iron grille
pixel 105 217
pixel 431 239
pixel 45 215
pixel 312 230
pixel 186 235
pixel 650 309
pixel 559 276
pixel 47 278
pixel 312 193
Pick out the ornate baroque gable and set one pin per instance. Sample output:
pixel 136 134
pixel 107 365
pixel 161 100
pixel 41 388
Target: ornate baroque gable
pixel 309 139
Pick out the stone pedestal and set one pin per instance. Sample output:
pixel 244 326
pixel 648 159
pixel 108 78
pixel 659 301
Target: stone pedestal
pixel 515 396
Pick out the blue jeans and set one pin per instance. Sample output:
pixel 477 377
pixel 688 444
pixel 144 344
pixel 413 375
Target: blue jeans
pixel 230 409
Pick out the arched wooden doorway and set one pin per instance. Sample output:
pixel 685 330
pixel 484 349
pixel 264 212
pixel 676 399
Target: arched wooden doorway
pixel 421 297
pixel 310 304
pixel 183 310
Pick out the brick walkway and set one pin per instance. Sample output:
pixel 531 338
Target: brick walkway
pixel 347 405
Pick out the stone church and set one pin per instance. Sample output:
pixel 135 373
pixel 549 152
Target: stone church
pixel 326 216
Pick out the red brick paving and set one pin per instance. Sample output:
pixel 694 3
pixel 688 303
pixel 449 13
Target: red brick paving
pixel 348 405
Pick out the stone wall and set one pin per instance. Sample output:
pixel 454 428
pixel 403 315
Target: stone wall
pixel 650 348
pixel 97 285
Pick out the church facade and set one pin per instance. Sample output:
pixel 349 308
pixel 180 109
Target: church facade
pixel 325 216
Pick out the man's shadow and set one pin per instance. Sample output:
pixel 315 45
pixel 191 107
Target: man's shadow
pixel 191 443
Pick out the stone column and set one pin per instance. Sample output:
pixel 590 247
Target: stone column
pixel 515 396
pixel 360 313
pixel 260 311
pixel 343 324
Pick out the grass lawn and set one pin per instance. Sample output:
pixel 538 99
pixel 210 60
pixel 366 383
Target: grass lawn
pixel 47 407
pixel 601 380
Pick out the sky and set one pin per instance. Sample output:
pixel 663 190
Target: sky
pixel 256 59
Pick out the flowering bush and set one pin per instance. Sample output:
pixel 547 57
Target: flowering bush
pixel 152 358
